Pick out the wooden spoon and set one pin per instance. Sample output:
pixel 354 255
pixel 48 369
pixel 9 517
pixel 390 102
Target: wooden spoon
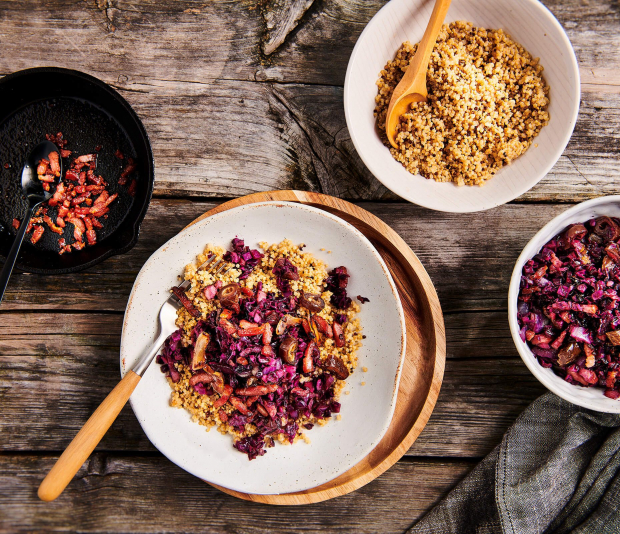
pixel 412 86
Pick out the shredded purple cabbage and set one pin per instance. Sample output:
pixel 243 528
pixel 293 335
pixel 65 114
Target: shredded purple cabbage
pixel 568 305
pixel 336 282
pixel 246 258
pixel 242 360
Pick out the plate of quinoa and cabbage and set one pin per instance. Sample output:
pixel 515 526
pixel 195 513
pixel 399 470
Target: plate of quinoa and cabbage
pixel 284 368
pixel 503 97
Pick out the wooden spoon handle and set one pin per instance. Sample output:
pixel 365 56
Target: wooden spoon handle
pixel 419 63
pixel 87 438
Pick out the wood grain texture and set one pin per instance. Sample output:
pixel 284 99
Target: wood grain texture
pixel 469 258
pixel 226 120
pixel 145 494
pixel 56 379
pixel 85 441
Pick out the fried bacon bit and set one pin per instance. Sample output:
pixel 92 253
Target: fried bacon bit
pixel 16 224
pixel 187 304
pixel 54 163
pixel 129 168
pixel 74 195
pixel 51 225
pixel 239 405
pixel 79 228
pixel 91 236
pixel 119 154
pixel 7 165
pixel 132 187
pixel 36 235
pixel 32 222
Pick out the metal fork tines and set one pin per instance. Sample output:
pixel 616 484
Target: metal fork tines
pixel 210 266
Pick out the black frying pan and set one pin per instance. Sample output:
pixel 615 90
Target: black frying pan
pixel 91 115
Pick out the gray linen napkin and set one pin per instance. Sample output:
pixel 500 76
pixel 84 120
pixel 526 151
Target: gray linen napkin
pixel 557 470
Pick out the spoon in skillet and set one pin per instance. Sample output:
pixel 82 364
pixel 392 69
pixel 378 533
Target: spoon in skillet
pixel 32 186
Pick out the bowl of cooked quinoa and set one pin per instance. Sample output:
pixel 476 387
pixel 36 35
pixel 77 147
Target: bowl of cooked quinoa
pixel 503 98
pixel 284 368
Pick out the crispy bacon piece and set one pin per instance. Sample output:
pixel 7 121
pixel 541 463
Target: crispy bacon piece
pixel 84 159
pixel 187 304
pixel 52 226
pixel 99 208
pixel 65 153
pixel 32 222
pixel 42 167
pixel 129 168
pixel 223 397
pixel 78 245
pixel 91 236
pixel 60 222
pixel 54 163
pixel 36 235
pixel 132 187
pixel 238 404
pixel 79 227
pixel 72 175
pixel 96 222
pixel 256 390
pixel 16 224
pixel 119 154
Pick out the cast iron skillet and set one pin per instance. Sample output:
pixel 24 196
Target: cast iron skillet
pixel 91 115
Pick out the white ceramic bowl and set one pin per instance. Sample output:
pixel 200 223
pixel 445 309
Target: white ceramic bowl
pixel 591 398
pixel 366 411
pixel 529 23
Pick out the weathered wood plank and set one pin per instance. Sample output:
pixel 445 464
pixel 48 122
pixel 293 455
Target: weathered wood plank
pixel 217 133
pixel 56 368
pixel 137 494
pixel 469 257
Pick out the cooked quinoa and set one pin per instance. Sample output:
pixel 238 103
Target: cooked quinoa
pixel 487 101
pixel 312 279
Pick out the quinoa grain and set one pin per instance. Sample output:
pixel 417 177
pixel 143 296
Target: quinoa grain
pixel 487 101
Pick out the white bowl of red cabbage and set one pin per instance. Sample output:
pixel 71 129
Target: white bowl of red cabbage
pixel 564 305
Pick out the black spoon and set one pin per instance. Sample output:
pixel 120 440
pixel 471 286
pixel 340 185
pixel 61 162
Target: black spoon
pixel 33 189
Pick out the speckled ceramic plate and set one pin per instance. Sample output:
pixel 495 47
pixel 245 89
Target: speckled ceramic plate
pixel 366 411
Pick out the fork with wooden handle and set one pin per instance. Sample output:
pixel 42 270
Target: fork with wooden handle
pixel 98 424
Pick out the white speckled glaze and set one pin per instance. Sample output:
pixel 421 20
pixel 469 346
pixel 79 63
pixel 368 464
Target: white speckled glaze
pixel 591 398
pixel 532 25
pixel 366 411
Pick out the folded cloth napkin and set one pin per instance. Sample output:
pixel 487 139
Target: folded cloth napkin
pixel 557 470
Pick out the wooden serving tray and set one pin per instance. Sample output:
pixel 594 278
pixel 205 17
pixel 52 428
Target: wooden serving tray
pixel 425 357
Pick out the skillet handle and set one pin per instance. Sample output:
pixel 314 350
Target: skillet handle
pixel 87 438
pixel 14 252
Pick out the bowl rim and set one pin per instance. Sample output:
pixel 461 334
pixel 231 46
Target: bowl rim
pixel 376 168
pixel 158 441
pixel 546 376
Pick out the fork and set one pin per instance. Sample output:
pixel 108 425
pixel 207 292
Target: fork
pixel 100 421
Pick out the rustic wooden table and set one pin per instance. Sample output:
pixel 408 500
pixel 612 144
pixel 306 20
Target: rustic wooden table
pixel 241 96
